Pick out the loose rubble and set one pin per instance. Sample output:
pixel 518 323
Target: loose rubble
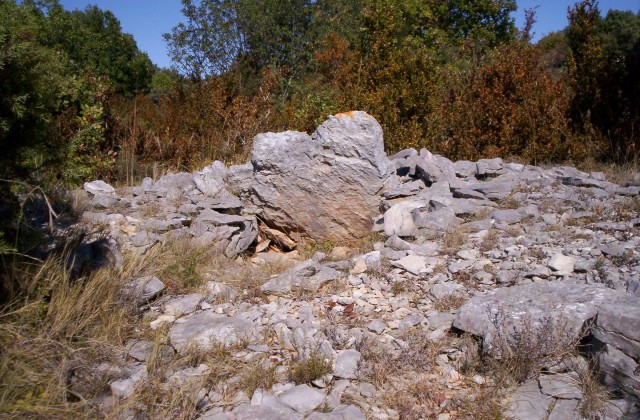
pixel 489 248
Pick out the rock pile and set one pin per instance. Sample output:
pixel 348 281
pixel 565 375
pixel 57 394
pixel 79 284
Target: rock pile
pixel 491 248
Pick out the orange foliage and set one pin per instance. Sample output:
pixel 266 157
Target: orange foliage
pixel 197 123
pixel 506 104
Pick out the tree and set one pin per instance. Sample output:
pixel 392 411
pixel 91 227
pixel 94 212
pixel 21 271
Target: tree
pixel 210 41
pixel 603 66
pixel 485 22
pixel 31 77
pixel 93 41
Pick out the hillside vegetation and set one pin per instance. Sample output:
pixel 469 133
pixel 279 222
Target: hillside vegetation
pixel 79 100
pixel 104 293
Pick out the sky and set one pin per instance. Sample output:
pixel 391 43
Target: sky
pixel 147 20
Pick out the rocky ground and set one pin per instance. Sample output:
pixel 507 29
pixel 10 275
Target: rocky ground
pixel 407 286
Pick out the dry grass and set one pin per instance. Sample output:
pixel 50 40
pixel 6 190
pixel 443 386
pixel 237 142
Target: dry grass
pixel 60 326
pixel 627 209
pixel 308 369
pixel 594 395
pixel 450 302
pixel 509 202
pixel 415 401
pixel 481 403
pixel 490 241
pixel 453 240
pixel 378 365
pixel 618 173
pixel 518 354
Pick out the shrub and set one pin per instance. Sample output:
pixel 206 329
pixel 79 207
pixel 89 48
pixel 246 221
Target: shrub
pixel 505 103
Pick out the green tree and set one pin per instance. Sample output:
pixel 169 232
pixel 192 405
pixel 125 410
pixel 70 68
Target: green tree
pixel 93 41
pixel 31 80
pixel 603 67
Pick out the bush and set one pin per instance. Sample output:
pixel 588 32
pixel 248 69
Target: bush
pixel 504 104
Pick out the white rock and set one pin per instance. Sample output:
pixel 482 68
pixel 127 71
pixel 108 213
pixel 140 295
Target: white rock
pixel 182 305
pixel 414 264
pixel 125 387
pixel 346 365
pixel 99 187
pixel 302 398
pixel 161 320
pixel 562 264
pixel 398 220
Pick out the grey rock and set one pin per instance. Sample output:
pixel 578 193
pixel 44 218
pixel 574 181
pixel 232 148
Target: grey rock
pixel 506 216
pixel 433 168
pixel 411 321
pixel 414 264
pixel 507 276
pixel 613 249
pixel 565 410
pixel 467 193
pixel 561 307
pixel 485 167
pixel 398 220
pixel 456 266
pixel 302 398
pixel 326 186
pixel 582 265
pixel 465 168
pixel 440 319
pixel 259 412
pixel 343 412
pixel 123 388
pixel 442 290
pixel 210 181
pixel 586 182
pixel 619 325
pixel 101 201
pixel 175 183
pixel 468 254
pixel 144 238
pixel 99 187
pixel 346 364
pixel 267 401
pixel 619 370
pixel 145 289
pixel 142 350
pixel 206 328
pixel 496 190
pixel 564 386
pixel 633 287
pixel 528 403
pixel 182 305
pixel 439 221
pixel 221 291
pixel 425 249
pixel 308 275
pixel 562 264
pixel 539 271
pixel 377 326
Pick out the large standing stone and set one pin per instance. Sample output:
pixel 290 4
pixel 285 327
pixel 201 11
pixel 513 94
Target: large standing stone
pixel 326 186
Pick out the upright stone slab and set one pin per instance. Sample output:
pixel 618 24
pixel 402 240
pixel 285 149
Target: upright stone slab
pixel 324 186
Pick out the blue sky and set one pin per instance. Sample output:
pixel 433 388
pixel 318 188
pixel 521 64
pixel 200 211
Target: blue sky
pixel 147 20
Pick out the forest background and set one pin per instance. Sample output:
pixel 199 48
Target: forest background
pixel 79 100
